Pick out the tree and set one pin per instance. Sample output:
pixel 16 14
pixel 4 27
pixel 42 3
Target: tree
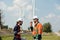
pixel 5 26
pixel 0 38
pixel 47 27
pixel 1 23
pixel 29 28
pixel 1 19
pixel 59 31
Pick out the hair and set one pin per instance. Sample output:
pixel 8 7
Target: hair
pixel 31 22
pixel 17 23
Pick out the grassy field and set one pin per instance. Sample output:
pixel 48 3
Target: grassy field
pixel 29 37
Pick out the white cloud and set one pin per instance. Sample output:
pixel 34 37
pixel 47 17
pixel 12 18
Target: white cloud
pixel 50 15
pixel 53 19
pixel 18 6
pixel 29 7
pixel 11 8
pixel 3 6
pixel 21 2
pixel 29 16
pixel 58 17
pixel 57 7
pixel 15 9
pixel 25 4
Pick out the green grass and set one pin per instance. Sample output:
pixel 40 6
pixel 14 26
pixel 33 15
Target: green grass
pixel 29 37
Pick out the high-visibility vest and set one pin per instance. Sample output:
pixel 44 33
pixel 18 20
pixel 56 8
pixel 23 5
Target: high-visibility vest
pixel 37 29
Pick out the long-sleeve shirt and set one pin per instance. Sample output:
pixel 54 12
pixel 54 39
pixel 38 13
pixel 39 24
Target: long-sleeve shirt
pixel 37 29
pixel 31 28
pixel 16 30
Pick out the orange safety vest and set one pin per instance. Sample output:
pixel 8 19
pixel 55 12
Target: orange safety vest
pixel 37 29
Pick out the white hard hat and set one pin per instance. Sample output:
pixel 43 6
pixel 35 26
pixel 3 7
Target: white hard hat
pixel 20 19
pixel 35 17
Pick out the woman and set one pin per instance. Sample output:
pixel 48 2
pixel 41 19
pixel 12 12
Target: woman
pixel 17 35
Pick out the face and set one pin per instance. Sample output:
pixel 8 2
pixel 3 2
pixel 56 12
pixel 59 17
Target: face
pixel 30 23
pixel 20 22
pixel 35 20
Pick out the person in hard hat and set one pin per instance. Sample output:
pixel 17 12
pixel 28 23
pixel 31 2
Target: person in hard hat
pixel 17 35
pixel 31 27
pixel 37 29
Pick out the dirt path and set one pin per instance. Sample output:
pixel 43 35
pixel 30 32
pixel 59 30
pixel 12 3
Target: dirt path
pixel 58 34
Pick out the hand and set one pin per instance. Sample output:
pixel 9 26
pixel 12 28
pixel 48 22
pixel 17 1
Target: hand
pixel 36 36
pixel 30 24
pixel 18 33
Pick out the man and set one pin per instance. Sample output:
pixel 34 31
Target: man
pixel 31 27
pixel 17 35
pixel 37 30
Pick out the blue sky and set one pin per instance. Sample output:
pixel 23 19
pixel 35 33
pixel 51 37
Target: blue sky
pixel 46 10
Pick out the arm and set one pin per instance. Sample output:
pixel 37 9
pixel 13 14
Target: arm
pixel 40 28
pixel 31 27
pixel 15 30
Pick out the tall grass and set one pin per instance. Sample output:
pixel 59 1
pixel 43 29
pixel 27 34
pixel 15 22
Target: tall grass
pixel 29 37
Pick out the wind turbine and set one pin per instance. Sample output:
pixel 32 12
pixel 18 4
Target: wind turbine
pixel 33 4
pixel 21 10
pixel 33 9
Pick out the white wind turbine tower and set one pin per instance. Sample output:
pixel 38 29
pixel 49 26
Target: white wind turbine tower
pixel 33 9
pixel 33 5
pixel 21 10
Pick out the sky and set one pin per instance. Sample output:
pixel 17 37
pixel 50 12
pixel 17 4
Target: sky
pixel 46 10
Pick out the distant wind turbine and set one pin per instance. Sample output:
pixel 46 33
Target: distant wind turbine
pixel 33 4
